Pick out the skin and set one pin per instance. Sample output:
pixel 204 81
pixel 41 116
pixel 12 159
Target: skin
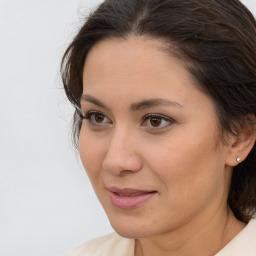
pixel 179 159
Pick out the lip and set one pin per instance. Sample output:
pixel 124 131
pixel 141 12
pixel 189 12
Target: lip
pixel 129 198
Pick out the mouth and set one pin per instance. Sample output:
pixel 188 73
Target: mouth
pixel 129 198
pixel 131 195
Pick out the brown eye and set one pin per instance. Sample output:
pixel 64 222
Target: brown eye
pixel 155 122
pixel 96 118
pixel 99 118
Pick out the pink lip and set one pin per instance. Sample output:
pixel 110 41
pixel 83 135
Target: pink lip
pixel 129 198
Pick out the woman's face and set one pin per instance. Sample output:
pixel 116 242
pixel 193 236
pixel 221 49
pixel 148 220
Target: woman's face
pixel 148 140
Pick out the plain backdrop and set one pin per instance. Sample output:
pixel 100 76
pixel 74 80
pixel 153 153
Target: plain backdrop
pixel 47 205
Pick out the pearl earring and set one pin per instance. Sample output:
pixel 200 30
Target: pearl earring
pixel 238 159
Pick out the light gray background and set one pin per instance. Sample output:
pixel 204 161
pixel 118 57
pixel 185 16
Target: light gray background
pixel 47 203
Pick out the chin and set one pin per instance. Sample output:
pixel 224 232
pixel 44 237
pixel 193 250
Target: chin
pixel 132 233
pixel 131 228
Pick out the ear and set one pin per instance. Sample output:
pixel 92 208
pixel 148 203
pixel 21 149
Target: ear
pixel 242 144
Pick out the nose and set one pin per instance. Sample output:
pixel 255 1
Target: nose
pixel 122 155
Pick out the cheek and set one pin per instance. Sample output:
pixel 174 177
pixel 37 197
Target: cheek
pixel 92 154
pixel 186 165
pixel 187 178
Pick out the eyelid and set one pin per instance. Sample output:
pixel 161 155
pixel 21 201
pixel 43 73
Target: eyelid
pixel 94 123
pixel 160 116
pixel 91 112
pixel 157 115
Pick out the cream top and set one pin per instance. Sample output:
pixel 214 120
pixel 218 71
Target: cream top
pixel 244 244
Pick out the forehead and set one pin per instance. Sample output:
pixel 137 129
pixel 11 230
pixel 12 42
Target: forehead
pixel 133 62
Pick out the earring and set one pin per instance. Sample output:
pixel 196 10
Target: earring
pixel 238 159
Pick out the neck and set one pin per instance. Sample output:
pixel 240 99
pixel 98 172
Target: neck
pixel 202 237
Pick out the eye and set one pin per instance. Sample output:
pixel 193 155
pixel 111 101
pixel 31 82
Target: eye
pixel 157 121
pixel 96 118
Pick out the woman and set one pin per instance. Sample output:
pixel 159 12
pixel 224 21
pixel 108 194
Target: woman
pixel 165 98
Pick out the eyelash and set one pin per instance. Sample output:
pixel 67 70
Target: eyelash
pixel 90 114
pixel 160 117
pixel 144 119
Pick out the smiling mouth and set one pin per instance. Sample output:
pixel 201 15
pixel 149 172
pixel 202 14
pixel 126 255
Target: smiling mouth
pixel 129 198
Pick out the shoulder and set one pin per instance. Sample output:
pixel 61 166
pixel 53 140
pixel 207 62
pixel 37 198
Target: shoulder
pixel 108 245
pixel 243 244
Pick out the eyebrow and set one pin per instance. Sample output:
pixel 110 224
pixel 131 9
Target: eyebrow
pixel 93 100
pixel 153 103
pixel 149 103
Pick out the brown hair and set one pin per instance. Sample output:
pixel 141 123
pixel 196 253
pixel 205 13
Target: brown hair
pixel 215 38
